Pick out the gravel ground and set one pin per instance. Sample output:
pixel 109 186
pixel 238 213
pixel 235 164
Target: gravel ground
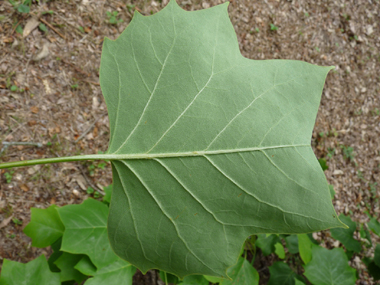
pixel 58 102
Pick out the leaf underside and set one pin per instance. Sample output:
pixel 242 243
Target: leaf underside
pixel 228 142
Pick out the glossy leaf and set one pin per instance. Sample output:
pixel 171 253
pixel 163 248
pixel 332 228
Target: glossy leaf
pixel 242 273
pixel 207 147
pixel 34 272
pixel 86 231
pixel 345 236
pixel 329 267
pixel 118 272
pixel 86 266
pixel 281 273
pixel 45 226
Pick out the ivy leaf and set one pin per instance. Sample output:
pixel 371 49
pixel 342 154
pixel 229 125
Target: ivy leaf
pixel 207 147
pixel 86 231
pixel 34 272
pixel 242 273
pixel 329 267
pixel 45 226
pixel 345 236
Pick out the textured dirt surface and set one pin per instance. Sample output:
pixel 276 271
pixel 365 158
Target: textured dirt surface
pixel 58 107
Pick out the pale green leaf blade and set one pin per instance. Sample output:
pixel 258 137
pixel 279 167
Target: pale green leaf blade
pixel 45 226
pixel 86 231
pixel 329 267
pixel 34 272
pixel 242 273
pixel 279 250
pixel 118 272
pixel 207 147
pixel 305 248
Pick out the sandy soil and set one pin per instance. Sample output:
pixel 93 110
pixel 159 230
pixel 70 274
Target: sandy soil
pixel 58 101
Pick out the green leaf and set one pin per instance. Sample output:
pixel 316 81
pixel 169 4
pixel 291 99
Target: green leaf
pixel 292 244
pixel 45 226
pixel 374 226
pixel 267 243
pixel 298 282
pixel 323 163
pixel 194 280
pixel 86 266
pixel 56 246
pixel 279 250
pixel 168 278
pixel 345 236
pixel 108 191
pixel 242 273
pixel 332 191
pixel 118 272
pixel 34 272
pixel 374 270
pixel 86 231
pixel 329 267
pixel 23 8
pixel 377 255
pixel 66 263
pixel 305 246
pixel 42 27
pixel 207 147
pixel 213 279
pixel 281 273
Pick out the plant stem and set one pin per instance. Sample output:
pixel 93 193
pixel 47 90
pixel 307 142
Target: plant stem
pixel 55 160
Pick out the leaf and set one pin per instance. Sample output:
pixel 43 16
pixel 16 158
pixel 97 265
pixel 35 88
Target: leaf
pixel 329 267
pixel 45 226
pixel 305 246
pixel 279 250
pixel 332 191
pixel 168 278
pixel 56 246
pixel 374 270
pixel 86 231
pixel 207 147
pixel 23 8
pixel 242 273
pixel 194 280
pixel 377 255
pixel 267 243
pixel 292 244
pixel 118 272
pixel 281 273
pixel 212 279
pixel 345 236
pixel 66 263
pixel 108 191
pixel 85 266
pixel 374 226
pixel 34 272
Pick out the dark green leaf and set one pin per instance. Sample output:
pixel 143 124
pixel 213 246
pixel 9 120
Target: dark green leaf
pixel 242 273
pixel 118 272
pixel 377 255
pixel 194 280
pixel 32 273
pixel 45 226
pixel 168 278
pixel 345 236
pixel 207 147
pixel 329 267
pixel 56 246
pixel 66 263
pixel 374 226
pixel 323 163
pixel 281 273
pixel 85 266
pixel 108 191
pixel 374 270
pixel 292 244
pixel 266 243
